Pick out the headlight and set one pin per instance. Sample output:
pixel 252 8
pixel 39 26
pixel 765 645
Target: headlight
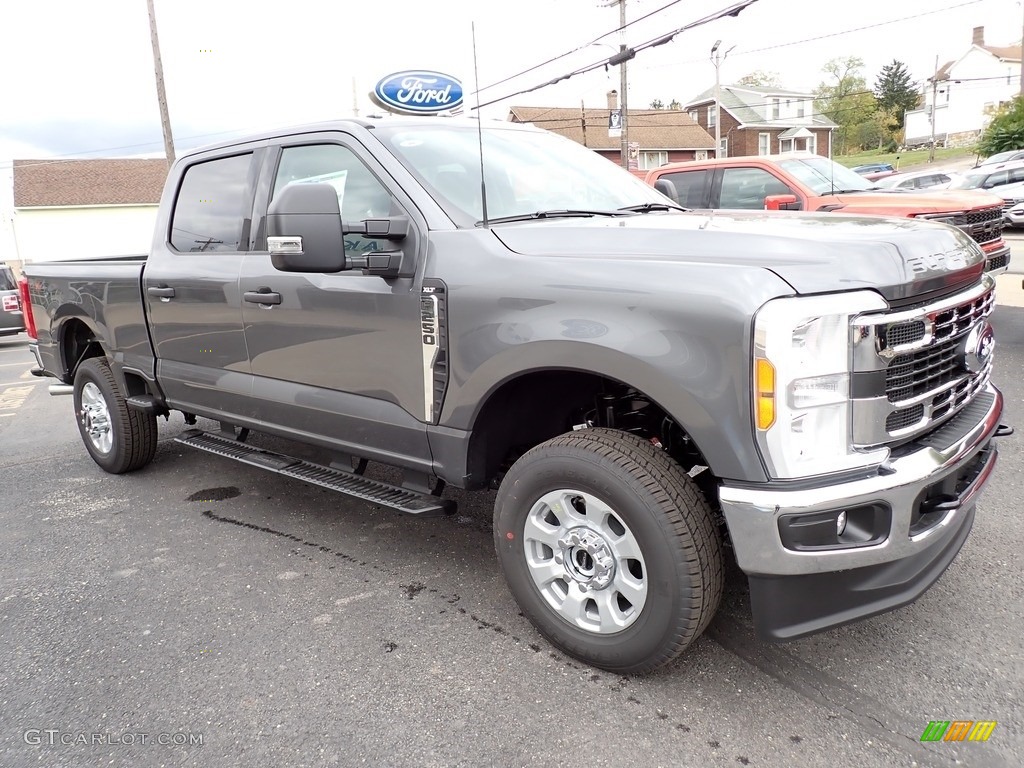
pixel 801 396
pixel 953 219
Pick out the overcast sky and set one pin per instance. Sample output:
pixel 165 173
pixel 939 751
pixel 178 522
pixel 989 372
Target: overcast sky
pixel 78 76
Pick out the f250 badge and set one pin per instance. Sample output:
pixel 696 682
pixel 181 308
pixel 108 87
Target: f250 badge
pixel 417 92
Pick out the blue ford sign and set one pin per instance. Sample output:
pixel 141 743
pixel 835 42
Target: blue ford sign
pixel 418 92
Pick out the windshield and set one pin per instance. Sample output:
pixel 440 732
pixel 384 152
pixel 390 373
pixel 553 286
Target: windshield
pixel 823 175
pixel 970 181
pixel 526 171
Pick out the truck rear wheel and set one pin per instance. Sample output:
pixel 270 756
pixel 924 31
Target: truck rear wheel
pixel 118 438
pixel 609 549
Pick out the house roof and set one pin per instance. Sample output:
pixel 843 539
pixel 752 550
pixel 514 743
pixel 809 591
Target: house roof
pixel 1004 53
pixel 741 102
pixel 943 72
pixel 123 181
pixel 650 128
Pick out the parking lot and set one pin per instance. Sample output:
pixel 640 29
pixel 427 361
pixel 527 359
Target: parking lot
pixel 203 612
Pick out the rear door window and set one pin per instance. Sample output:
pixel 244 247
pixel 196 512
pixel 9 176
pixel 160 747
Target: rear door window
pixel 7 282
pixel 690 187
pixel 213 205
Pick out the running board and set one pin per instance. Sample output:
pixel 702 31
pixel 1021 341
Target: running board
pixel 374 491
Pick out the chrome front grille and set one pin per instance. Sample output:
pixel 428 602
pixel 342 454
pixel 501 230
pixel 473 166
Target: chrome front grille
pixel 924 364
pixel 983 226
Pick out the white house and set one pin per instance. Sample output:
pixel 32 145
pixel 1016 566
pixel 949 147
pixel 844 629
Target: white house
pixel 983 77
pixel 69 209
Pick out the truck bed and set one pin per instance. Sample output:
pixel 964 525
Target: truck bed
pixel 85 299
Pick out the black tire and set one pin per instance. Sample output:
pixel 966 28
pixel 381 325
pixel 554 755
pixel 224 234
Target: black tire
pixel 132 434
pixel 655 502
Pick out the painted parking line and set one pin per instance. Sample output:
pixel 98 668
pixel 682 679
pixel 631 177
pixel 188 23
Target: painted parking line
pixel 13 398
pixel 22 383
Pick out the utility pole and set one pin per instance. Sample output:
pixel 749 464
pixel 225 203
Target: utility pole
pixel 623 85
pixel 718 95
pixel 1022 53
pixel 355 99
pixel 583 121
pixel 935 87
pixel 165 118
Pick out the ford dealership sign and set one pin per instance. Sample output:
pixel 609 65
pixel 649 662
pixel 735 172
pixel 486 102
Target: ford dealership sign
pixel 418 92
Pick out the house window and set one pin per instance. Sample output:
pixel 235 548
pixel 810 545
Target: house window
pixel 776 108
pixel 693 115
pixel 800 106
pixel 785 145
pixel 723 148
pixel 764 146
pixel 712 116
pixel 812 144
pixel 649 160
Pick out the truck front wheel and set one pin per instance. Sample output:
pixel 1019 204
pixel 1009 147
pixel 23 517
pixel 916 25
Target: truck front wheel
pixel 609 549
pixel 118 438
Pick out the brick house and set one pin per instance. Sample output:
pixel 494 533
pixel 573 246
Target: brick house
pixel 763 121
pixel 663 135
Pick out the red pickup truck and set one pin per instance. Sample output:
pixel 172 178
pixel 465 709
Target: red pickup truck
pixel 806 182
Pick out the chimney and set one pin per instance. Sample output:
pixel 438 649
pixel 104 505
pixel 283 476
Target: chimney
pixel 613 99
pixel 979 36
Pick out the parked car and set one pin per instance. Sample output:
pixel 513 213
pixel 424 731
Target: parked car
pixel 808 182
pixel 1013 204
pixel 11 318
pixel 918 180
pixel 1002 157
pixel 651 390
pixel 991 177
pixel 875 171
pixel 873 168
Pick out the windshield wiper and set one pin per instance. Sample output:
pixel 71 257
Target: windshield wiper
pixel 558 213
pixel 648 207
pixel 851 191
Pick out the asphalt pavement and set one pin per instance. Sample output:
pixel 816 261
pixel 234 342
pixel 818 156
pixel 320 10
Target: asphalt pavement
pixel 206 613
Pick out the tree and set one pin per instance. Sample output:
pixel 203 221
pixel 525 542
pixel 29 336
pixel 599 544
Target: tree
pixel 657 104
pixel 676 105
pixel 760 79
pixel 894 90
pixel 844 98
pixel 1006 131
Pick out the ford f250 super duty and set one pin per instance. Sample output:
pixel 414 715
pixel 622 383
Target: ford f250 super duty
pixel 650 390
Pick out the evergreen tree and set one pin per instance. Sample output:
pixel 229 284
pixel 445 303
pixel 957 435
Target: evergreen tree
pixel 895 91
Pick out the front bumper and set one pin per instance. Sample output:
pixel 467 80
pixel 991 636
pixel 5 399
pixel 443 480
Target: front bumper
pixel 796 593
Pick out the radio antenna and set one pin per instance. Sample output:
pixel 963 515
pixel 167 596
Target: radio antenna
pixel 479 129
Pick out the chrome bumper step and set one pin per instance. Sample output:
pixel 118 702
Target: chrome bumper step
pixel 374 491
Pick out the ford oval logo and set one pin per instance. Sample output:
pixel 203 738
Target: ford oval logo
pixel 418 92
pixel 978 347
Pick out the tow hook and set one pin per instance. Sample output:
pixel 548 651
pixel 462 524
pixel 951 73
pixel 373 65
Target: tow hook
pixel 1003 430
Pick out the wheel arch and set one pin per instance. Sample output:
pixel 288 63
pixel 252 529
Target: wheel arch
pixel 720 427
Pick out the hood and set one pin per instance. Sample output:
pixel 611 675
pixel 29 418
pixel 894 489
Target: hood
pixel 897 202
pixel 814 253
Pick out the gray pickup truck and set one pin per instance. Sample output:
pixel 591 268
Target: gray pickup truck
pixel 650 390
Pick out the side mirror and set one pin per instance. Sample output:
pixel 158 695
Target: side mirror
pixel 304 232
pixel 781 203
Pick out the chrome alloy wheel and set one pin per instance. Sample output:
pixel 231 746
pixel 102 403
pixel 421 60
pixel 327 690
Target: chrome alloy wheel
pixel 586 563
pixel 96 418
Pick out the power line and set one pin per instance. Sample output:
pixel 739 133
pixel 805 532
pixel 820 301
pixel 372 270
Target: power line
pixel 579 48
pixel 629 53
pixel 830 34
